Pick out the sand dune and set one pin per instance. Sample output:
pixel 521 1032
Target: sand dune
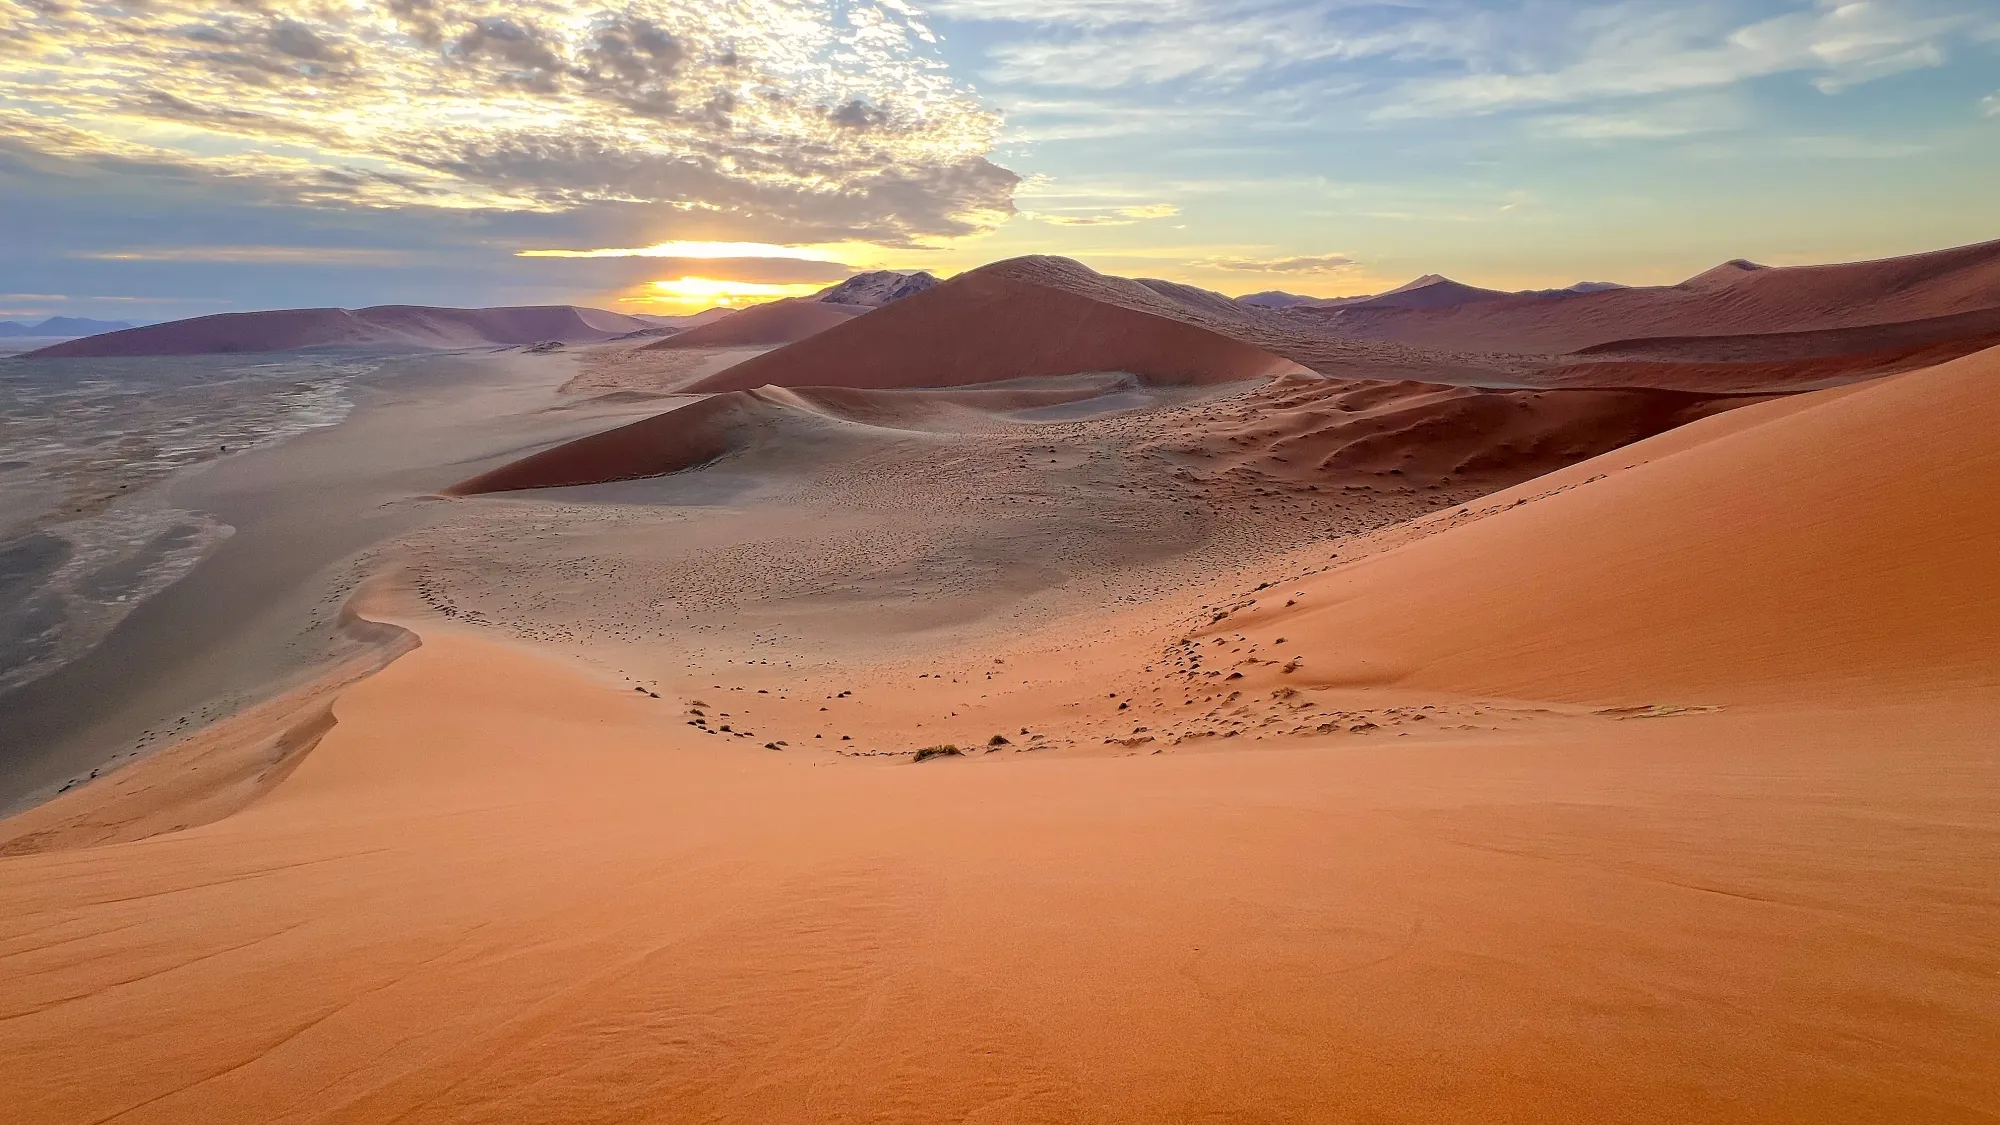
pixel 970 330
pixel 1736 298
pixel 1333 432
pixel 777 322
pixel 382 326
pixel 505 886
pixel 700 432
pixel 1832 545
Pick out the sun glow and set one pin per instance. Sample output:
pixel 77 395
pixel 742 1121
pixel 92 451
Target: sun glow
pixel 695 293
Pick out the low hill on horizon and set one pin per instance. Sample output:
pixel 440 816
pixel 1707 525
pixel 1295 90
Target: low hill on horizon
pixel 61 326
pixel 384 326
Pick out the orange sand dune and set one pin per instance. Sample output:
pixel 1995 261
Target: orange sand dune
pixel 392 326
pixel 1838 545
pixel 777 322
pixel 1732 299
pixel 505 889
pixel 971 330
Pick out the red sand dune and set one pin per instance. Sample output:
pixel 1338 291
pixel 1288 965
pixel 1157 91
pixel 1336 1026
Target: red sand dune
pixel 1340 432
pixel 692 435
pixel 990 325
pixel 1733 299
pixel 1301 428
pixel 778 322
pixel 1777 376
pixel 394 326
pixel 1840 544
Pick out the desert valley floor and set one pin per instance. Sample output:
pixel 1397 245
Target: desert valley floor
pixel 1055 698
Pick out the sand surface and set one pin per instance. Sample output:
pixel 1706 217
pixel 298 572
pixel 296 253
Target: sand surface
pixel 1327 751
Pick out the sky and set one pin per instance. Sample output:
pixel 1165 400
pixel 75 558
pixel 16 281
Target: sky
pixel 170 158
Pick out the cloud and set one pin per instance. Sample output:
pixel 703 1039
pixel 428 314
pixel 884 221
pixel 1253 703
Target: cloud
pixel 1625 51
pixel 1443 58
pixel 1316 263
pixel 1103 216
pixel 259 255
pixel 1990 104
pixel 786 116
pixel 694 250
pixel 1657 119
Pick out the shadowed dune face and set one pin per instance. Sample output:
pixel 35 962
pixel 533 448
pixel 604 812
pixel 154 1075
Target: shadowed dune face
pixel 777 322
pixel 1300 429
pixel 393 326
pixel 1842 542
pixel 1338 432
pixel 986 327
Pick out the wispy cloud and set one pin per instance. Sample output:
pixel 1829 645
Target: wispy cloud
pixel 1630 51
pixel 1103 216
pixel 1313 263
pixel 780 117
pixel 1438 58
pixel 253 255
pixel 1990 104
pixel 695 250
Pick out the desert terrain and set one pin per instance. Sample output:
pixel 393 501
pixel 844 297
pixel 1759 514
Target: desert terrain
pixel 1045 696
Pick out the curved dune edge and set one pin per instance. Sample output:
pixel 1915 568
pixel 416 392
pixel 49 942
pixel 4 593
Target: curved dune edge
pixel 217 770
pixel 701 432
pixel 1837 544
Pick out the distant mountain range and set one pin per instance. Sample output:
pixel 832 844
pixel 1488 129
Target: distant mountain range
pixel 1431 291
pixel 382 326
pixel 62 326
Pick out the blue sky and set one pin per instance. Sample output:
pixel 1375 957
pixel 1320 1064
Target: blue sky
pixel 177 158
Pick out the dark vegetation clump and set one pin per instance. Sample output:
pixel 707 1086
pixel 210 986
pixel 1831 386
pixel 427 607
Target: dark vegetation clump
pixel 997 740
pixel 929 752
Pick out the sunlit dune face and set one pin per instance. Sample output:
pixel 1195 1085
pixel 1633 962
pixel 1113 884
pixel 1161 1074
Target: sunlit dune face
pixel 692 294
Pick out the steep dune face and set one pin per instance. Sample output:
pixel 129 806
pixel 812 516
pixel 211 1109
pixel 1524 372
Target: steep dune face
pixel 1844 544
pixel 665 443
pixel 987 326
pixel 1735 298
pixel 778 322
pixel 392 326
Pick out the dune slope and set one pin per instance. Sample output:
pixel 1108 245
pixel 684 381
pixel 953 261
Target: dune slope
pixel 1837 544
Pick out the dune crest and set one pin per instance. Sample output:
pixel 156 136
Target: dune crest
pixel 1811 548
